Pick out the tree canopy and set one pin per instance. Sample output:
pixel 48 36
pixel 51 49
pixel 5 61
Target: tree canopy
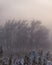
pixel 20 35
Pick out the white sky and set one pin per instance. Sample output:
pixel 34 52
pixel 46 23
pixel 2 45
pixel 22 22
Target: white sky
pixel 27 9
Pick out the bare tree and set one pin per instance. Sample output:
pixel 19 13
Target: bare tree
pixel 19 35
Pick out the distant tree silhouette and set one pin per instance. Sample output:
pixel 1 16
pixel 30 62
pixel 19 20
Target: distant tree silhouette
pixel 20 35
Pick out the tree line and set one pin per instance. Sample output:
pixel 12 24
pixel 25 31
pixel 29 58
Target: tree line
pixel 23 35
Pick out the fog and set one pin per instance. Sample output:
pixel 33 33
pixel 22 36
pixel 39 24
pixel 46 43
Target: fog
pixel 27 9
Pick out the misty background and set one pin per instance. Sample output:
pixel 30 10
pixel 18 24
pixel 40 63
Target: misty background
pixel 40 10
pixel 20 36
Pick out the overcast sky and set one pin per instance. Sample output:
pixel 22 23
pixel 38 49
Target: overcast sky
pixel 26 9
